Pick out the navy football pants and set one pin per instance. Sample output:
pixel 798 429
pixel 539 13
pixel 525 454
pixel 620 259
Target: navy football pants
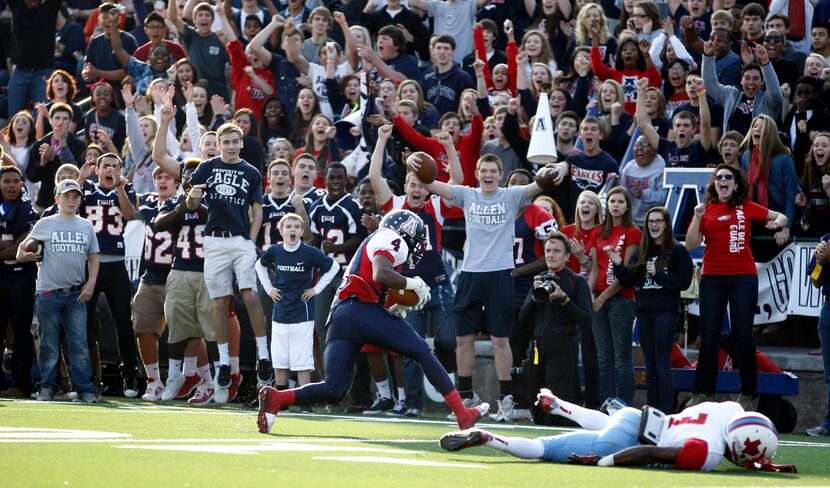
pixel 354 324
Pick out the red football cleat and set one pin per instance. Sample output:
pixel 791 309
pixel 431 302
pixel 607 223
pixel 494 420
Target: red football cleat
pixel 236 380
pixel 474 414
pixel 269 405
pixel 189 386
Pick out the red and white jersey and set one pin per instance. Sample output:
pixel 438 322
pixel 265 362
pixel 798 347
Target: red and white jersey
pixel 700 433
pixel 358 280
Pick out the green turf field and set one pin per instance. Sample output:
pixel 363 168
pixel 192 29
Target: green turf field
pixel 120 444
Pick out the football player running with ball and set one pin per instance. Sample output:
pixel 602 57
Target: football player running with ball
pixel 358 317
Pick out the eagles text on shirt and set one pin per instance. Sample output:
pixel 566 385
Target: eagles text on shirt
pixel 225 182
pixel 737 231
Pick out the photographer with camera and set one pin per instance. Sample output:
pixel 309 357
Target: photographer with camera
pixel 559 305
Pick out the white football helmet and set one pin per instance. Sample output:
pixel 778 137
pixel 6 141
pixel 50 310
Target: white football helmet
pixel 750 436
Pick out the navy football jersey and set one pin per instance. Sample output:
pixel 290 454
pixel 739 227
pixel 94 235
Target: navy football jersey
pixel 338 221
pixel 532 226
pixel 312 195
pixel 273 209
pixel 102 209
pixel 158 246
pixel 293 273
pixel 16 218
pixel 189 234
pixel 231 190
pixel 431 267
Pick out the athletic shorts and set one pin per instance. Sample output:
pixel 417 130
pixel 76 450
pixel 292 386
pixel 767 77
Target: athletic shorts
pixel 148 309
pixel 489 294
pixel 188 308
pixel 226 257
pixel 292 346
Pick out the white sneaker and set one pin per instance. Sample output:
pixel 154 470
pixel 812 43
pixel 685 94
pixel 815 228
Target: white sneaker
pixel 154 391
pixel 468 403
pixel 222 384
pixel 203 396
pixel 505 412
pixel 171 389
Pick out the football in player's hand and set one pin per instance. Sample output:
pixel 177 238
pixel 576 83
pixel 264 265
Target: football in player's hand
pixel 33 245
pixel 407 298
pixel 428 169
pixel 546 178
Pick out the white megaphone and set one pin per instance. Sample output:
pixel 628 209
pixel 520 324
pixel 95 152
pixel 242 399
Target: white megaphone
pixel 542 148
pixel 344 126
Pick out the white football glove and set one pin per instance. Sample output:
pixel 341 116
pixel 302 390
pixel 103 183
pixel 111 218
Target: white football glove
pixel 398 310
pixel 417 285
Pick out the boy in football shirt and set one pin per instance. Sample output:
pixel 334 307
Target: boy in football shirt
pixel 188 307
pixel 486 283
pixel 109 204
pixel 437 314
pixel 148 303
pixel 589 169
pixel 66 281
pixel 305 172
pixel 232 188
pixel 294 265
pixel 276 203
pixel 337 231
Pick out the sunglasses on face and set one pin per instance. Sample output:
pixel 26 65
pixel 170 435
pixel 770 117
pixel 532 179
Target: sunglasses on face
pixel 773 39
pixel 725 177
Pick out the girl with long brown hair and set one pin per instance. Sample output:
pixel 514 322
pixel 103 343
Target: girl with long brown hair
pixel 729 277
pixel 816 185
pixel 661 270
pixel 614 303
pixel 771 173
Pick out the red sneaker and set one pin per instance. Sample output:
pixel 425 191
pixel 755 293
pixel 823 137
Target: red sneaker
pixel 190 384
pixel 269 405
pixel 203 396
pixel 236 380
pixel 474 414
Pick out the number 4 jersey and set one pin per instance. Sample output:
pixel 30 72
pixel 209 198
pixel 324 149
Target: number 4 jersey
pixel 103 211
pixel 158 246
pixel 358 280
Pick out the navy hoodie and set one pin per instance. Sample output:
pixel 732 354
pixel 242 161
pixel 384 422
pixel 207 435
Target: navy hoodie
pixel 444 89
pixel 660 293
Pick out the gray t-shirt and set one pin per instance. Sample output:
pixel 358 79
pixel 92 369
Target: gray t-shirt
pixel 491 226
pixel 456 20
pixel 66 243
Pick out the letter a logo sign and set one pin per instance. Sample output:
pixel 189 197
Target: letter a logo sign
pixel 540 124
pixel 410 227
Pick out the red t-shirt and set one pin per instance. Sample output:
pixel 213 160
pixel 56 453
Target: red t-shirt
pixel 585 238
pixel 726 232
pixel 248 94
pixel 618 240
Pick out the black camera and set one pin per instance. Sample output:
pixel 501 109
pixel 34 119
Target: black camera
pixel 528 364
pixel 542 293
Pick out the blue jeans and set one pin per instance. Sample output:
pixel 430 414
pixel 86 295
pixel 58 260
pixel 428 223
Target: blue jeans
pixel 824 337
pixel 60 309
pixel 26 87
pixel 439 313
pixel 656 338
pixel 740 292
pixel 612 327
